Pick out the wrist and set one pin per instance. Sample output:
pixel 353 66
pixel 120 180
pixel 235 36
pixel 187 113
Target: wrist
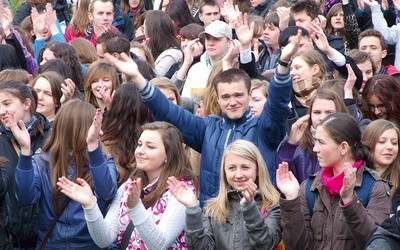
pixel 92 145
pixel 347 200
pixel 25 150
pixel 91 203
pixel 284 63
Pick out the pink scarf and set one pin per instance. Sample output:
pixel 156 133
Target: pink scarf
pixel 334 183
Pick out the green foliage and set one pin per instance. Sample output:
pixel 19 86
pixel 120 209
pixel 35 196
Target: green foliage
pixel 15 4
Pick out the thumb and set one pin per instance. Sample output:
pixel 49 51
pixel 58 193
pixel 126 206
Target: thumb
pixel 81 182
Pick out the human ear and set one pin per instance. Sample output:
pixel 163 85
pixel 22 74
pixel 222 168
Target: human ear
pixel 384 53
pixel 27 104
pixel 344 148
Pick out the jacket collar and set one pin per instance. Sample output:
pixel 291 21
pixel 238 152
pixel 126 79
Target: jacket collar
pixel 246 116
pixel 317 183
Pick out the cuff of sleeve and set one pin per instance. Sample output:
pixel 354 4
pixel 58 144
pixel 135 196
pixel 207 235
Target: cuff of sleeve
pixel 360 12
pixel 194 217
pixel 96 157
pixel 349 102
pixel 138 214
pixel 385 12
pixel 347 9
pixel 281 78
pixel 245 56
pixel 92 213
pixel 338 59
pixel 25 161
pixel 351 203
pixel 251 214
pixel 193 209
pixel 147 91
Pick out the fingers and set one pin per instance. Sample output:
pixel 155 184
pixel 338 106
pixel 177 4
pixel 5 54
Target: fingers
pixel 282 171
pixel 81 182
pixel 98 118
pixel 250 192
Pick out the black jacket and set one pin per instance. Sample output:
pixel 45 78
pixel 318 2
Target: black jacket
pixel 24 220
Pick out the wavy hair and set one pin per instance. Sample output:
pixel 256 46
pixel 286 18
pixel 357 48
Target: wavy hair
pixel 67 53
pixel 67 144
pixel 370 138
pixel 387 89
pixel 122 127
pixel 177 163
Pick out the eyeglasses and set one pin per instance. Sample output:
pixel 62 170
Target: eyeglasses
pixel 381 107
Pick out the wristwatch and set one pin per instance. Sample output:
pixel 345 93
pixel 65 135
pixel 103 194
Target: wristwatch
pixel 284 64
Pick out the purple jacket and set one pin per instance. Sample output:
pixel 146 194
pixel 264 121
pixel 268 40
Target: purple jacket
pixel 300 162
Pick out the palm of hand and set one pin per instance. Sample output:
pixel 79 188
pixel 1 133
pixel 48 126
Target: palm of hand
pixel 185 196
pixel 81 194
pixel 245 34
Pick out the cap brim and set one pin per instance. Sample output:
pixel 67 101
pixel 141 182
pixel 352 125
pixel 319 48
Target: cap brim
pixel 213 34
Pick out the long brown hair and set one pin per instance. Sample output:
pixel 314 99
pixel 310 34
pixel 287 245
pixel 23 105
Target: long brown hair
pixel 307 140
pixel 80 19
pixel 96 70
pixel 122 128
pixel 67 144
pixel 161 31
pixel 370 138
pixel 177 163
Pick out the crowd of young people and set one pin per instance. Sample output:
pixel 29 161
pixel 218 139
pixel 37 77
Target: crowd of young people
pixel 200 124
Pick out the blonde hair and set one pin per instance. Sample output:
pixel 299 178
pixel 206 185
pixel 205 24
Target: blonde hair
pixel 218 208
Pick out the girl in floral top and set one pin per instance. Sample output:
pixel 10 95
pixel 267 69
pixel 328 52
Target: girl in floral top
pixel 159 219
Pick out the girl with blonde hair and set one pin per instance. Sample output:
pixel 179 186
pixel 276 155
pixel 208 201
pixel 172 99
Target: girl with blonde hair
pixel 247 201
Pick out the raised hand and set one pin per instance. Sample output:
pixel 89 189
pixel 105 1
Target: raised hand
pixel 193 49
pixel 182 192
pixel 79 192
pixel 101 29
pixel 39 23
pixel 230 12
pixel 233 52
pixel 124 65
pixel 349 181
pixel 298 128
pixel 20 134
pixel 349 85
pixel 244 32
pixel 286 182
pixel 51 19
pixel 134 190
pixel 106 95
pixel 7 21
pixel 361 5
pixel 289 50
pixel 321 21
pixel 367 2
pixel 68 90
pixel 385 4
pixel 319 38
pixel 95 131
pixel 249 193
pixel 283 14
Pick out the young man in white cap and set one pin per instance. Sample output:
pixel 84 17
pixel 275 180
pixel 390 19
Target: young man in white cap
pixel 217 35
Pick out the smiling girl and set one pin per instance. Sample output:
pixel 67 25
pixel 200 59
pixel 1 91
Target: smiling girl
pixel 382 137
pixel 245 213
pixel 145 200
pixel 100 82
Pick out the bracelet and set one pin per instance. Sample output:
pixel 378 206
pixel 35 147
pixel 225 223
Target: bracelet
pixel 284 64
